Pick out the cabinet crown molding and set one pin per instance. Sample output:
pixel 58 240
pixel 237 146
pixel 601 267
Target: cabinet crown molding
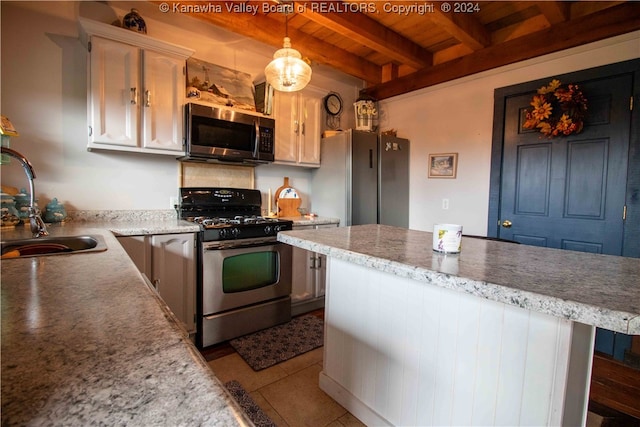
pixel 89 28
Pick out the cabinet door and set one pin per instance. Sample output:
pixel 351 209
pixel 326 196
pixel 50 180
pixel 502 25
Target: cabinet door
pixel 302 275
pixel 137 247
pixel 310 130
pixel 320 278
pixel 285 110
pixel 164 83
pixel 114 93
pixel 173 263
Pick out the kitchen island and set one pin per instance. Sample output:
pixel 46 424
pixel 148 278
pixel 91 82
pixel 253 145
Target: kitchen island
pixel 86 341
pixel 500 334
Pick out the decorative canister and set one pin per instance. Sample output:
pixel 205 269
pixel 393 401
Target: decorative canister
pixel 9 213
pixel 23 200
pixel 447 238
pixel 54 211
pixel 134 22
pixel 366 111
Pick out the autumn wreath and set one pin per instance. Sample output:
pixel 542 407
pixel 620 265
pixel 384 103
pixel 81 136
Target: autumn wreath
pixel 557 110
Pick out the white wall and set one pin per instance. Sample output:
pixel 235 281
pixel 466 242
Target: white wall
pixel 43 92
pixel 458 117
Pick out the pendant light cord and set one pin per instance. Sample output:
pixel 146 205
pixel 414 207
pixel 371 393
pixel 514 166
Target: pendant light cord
pixel 286 23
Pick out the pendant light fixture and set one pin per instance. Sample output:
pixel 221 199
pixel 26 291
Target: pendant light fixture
pixel 287 72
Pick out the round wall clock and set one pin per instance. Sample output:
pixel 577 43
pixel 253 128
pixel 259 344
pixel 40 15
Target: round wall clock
pixel 333 104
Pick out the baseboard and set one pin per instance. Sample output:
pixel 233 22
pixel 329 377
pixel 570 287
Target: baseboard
pixel 351 403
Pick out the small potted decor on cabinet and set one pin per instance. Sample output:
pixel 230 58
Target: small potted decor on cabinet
pixel 366 112
pixel 134 22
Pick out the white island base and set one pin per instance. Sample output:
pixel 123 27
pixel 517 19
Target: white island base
pixel 402 352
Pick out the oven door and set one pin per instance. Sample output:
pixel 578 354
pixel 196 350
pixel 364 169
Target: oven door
pixel 244 272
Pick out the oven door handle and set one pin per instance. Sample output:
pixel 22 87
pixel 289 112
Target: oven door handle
pixel 235 244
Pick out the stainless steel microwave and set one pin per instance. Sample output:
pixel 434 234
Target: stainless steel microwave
pixel 216 133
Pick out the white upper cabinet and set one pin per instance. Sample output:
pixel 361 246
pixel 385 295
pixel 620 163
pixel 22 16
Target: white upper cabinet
pixel 162 101
pixel 114 82
pixel 298 127
pixel 136 91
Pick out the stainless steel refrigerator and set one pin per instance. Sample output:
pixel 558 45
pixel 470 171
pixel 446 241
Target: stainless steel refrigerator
pixel 363 179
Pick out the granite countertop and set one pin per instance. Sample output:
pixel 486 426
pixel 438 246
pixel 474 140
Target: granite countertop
pixel 599 290
pixel 316 220
pixel 86 341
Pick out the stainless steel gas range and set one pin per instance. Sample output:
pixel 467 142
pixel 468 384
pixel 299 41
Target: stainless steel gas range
pixel 244 273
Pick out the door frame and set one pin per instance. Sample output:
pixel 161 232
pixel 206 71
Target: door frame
pixel 631 234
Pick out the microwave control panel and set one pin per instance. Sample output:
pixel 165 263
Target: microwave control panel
pixel 266 140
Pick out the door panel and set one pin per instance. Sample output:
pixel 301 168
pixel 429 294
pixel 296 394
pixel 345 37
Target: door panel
pixel 532 184
pixel 568 192
pixel 586 179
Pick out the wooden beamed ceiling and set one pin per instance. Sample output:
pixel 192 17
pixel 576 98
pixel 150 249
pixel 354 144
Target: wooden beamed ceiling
pixel 399 46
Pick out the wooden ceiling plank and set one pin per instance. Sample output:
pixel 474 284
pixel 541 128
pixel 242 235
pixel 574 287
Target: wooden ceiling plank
pixel 389 72
pixel 607 23
pixel 555 11
pixel 261 27
pixel 361 29
pixel 462 26
pixel 523 28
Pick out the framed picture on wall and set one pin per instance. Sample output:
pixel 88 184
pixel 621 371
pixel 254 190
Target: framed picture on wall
pixel 443 165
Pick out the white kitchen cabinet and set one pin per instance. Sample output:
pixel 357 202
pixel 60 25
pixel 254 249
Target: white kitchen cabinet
pixel 168 261
pixel 309 276
pixel 298 127
pixel 136 88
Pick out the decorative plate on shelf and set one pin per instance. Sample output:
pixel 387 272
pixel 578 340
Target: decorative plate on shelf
pixel 289 193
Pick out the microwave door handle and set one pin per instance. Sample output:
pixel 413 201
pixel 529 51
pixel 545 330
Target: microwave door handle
pixel 257 140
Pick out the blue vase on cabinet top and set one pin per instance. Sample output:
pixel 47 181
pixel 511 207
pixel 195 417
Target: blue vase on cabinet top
pixel 134 22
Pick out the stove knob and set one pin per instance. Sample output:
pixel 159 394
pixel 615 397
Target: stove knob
pixel 235 232
pixel 268 230
pixel 277 228
pixel 223 234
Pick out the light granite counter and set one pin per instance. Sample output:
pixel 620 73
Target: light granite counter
pixel 598 290
pixel 305 221
pixel 500 334
pixel 86 341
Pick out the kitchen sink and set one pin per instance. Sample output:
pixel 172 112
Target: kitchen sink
pixel 52 245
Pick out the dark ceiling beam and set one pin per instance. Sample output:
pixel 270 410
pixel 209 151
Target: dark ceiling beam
pixel 463 27
pixel 361 29
pixel 610 22
pixel 555 11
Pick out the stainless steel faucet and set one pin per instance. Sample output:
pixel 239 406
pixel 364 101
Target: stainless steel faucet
pixel 38 228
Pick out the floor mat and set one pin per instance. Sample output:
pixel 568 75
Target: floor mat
pixel 251 408
pixel 274 345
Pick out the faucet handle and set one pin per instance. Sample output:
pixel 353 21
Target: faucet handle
pixel 38 227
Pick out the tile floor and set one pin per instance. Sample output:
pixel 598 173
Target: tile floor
pixel 287 392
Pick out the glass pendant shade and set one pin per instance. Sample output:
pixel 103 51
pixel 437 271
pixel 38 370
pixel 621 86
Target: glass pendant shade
pixel 287 72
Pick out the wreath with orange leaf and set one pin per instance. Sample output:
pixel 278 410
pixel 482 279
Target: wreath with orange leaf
pixel 557 110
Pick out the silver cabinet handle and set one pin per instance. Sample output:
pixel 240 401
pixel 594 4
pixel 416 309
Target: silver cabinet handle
pixel 134 95
pixel 147 98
